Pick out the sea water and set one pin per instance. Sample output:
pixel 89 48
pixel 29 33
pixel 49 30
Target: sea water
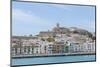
pixel 49 60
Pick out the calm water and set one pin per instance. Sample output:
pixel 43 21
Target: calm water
pixel 58 59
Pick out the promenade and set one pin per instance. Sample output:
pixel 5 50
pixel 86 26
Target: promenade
pixel 52 55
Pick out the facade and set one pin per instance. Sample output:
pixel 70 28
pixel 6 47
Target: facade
pixel 58 48
pixel 82 47
pixel 90 47
pixel 57 41
pixel 29 47
pixel 25 45
pixel 76 47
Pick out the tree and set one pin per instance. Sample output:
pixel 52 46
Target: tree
pixel 89 34
pixel 50 39
pixel 93 38
pixel 42 39
pixel 66 48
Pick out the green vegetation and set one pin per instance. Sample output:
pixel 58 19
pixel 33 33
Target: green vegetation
pixel 50 39
pixel 66 48
pixel 42 39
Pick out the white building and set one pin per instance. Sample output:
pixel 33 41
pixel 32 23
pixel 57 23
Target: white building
pixel 89 47
pixel 76 47
pixel 82 47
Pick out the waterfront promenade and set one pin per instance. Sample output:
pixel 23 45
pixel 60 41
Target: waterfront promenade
pixel 51 55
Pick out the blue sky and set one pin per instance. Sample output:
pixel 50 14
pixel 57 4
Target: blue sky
pixel 31 18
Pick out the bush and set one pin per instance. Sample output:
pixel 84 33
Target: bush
pixel 50 39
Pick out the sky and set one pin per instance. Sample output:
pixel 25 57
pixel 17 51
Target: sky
pixel 31 18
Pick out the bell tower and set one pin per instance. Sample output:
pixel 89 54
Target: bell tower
pixel 57 25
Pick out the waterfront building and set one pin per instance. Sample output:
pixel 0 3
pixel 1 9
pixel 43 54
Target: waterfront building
pixel 58 41
pixel 58 48
pixel 74 47
pixel 23 45
pixel 82 47
pixel 89 47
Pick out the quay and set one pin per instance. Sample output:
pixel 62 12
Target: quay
pixel 53 55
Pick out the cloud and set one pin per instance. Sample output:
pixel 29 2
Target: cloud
pixel 63 7
pixel 20 15
pixel 26 16
pixel 26 22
